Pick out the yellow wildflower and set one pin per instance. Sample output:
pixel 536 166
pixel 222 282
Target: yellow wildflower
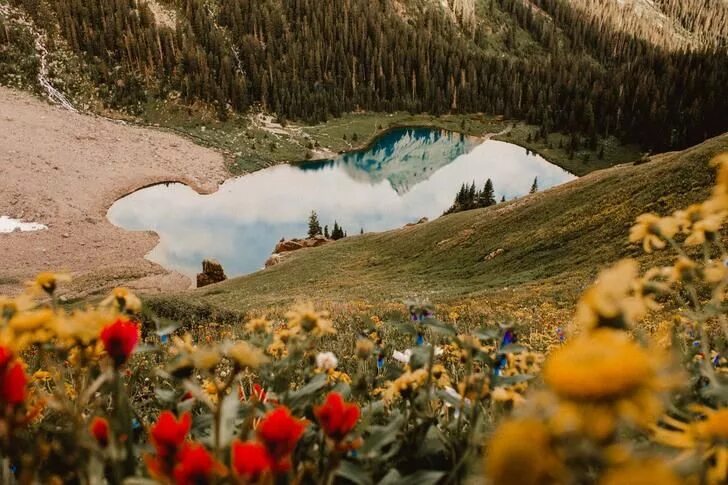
pixel 206 358
pixel 715 271
pixel 335 376
pixel 520 452
pixel 305 317
pixel 41 375
pixel 83 326
pixel 48 282
pixel 364 348
pixel 32 320
pixel 643 472
pixel 652 230
pixel 683 270
pixel 123 300
pixel 183 344
pixel 603 377
pixel 277 349
pixel 246 355
pixel 706 437
pixel 614 300
pixel 258 325
pixel 508 396
pixel 475 387
pixel 440 377
pixel 705 229
pixel 405 385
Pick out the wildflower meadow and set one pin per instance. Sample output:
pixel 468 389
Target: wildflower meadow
pixel 106 392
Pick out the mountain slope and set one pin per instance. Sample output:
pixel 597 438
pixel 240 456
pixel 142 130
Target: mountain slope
pixel 543 61
pixel 552 243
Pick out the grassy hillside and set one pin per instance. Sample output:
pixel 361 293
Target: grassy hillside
pixel 552 244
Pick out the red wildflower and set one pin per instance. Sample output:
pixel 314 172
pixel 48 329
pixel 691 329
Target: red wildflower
pixel 99 428
pixel 6 355
pixel 13 384
pixel 280 432
pixel 195 465
pixel 259 393
pixel 168 433
pixel 119 339
pixel 250 460
pixel 336 417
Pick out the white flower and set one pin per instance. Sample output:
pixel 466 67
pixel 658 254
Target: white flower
pixel 326 361
pixel 403 357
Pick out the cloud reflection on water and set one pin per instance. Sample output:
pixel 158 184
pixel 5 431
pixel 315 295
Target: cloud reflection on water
pixel 406 175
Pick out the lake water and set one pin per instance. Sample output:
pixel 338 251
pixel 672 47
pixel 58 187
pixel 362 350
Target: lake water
pixel 405 175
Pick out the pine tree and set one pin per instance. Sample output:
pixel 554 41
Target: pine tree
pixel 534 186
pixel 487 197
pixel 503 199
pixel 326 232
pixel 314 227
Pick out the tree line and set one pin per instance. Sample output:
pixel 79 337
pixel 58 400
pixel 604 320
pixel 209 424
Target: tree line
pixel 314 59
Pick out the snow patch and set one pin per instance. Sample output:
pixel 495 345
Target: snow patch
pixel 8 225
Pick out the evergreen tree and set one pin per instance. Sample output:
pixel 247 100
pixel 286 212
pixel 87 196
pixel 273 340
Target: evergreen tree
pixel 314 227
pixel 503 199
pixel 326 232
pixel 534 186
pixel 487 197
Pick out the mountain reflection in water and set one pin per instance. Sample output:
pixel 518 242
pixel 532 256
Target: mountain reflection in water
pixel 405 175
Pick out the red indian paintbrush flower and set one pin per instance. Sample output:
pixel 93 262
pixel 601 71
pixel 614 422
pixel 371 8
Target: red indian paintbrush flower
pixel 336 417
pixel 196 466
pixel 13 384
pixel 168 433
pixel 99 429
pixel 119 339
pixel 280 432
pixel 6 355
pixel 250 460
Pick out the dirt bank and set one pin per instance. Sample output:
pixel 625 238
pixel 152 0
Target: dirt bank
pixel 64 170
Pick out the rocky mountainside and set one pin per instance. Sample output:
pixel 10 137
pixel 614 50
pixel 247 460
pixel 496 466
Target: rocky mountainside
pixel 564 65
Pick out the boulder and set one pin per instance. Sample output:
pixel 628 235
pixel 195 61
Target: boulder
pixel 494 254
pixel 212 272
pixel 290 245
pixel 273 260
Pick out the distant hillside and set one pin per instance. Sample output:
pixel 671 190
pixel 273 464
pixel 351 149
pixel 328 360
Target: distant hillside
pixel 673 24
pixel 551 63
pixel 547 245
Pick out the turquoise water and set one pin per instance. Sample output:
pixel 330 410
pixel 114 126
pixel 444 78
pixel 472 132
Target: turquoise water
pixel 405 175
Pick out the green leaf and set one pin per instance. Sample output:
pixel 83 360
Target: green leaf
pixel 439 327
pixel 166 327
pixel 420 356
pixel 512 349
pixel 228 414
pixel 433 444
pixel 405 327
pixel 489 333
pixel 302 395
pixel 380 437
pixel 354 473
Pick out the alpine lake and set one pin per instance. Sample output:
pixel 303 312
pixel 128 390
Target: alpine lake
pixel 404 175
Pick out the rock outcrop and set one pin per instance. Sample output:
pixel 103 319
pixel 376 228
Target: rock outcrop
pixel 212 272
pixel 286 246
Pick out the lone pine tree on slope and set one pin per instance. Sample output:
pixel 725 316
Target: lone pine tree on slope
pixel 534 186
pixel 314 227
